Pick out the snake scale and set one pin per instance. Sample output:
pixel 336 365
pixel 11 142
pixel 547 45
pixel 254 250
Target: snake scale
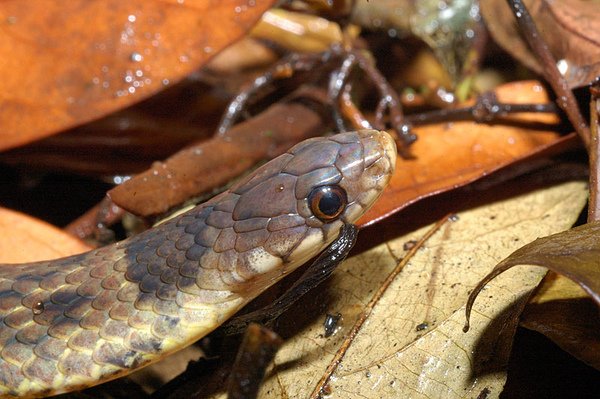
pixel 78 321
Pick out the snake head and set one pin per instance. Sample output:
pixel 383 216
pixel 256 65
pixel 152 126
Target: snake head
pixel 295 205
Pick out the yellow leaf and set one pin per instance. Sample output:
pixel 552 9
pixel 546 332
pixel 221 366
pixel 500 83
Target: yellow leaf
pixel 411 344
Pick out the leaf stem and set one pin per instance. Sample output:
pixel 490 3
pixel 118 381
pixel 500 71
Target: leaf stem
pixel 565 98
pixel 594 153
pixel 339 355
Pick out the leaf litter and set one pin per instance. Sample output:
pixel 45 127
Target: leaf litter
pixel 412 343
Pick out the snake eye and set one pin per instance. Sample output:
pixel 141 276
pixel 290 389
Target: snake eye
pixel 327 202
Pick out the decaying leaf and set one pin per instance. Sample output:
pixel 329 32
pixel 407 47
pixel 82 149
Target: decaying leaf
pixel 563 312
pixel 568 27
pixel 450 155
pixel 573 253
pixel 66 63
pixel 412 344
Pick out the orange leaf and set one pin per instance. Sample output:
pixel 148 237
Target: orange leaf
pixel 25 239
pixel 450 155
pixel 65 63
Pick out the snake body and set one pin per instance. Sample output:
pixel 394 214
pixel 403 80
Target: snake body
pixel 85 319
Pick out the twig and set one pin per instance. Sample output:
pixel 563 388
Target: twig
pixel 486 109
pixel 339 355
pixel 337 82
pixel 565 98
pixel 389 96
pixel 594 153
pixel 281 70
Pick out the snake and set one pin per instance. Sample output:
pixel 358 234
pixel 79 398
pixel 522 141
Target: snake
pixel 78 321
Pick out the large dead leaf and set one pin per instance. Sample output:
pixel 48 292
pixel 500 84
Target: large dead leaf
pixel 25 239
pixel 412 344
pixel 569 27
pixel 563 313
pixel 65 63
pixel 573 253
pixel 450 155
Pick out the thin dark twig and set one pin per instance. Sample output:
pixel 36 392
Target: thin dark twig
pixel 390 97
pixel 594 154
pixel 337 82
pixel 237 105
pixel 566 100
pixel 379 113
pixel 486 109
pixel 351 112
pixel 289 64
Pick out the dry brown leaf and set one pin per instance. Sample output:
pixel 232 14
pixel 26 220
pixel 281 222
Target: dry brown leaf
pixel 450 155
pixel 563 312
pixel 412 343
pixel 573 253
pixel 65 63
pixel 569 27
pixel 25 239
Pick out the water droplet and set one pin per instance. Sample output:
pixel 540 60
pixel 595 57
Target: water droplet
pixel 120 179
pixel 454 217
pixel 331 324
pixel 563 66
pixel 131 18
pixel 38 308
pixel 136 57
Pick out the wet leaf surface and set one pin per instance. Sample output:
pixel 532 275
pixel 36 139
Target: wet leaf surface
pixel 409 342
pixel 118 53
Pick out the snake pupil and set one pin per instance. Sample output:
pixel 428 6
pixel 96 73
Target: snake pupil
pixel 327 202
